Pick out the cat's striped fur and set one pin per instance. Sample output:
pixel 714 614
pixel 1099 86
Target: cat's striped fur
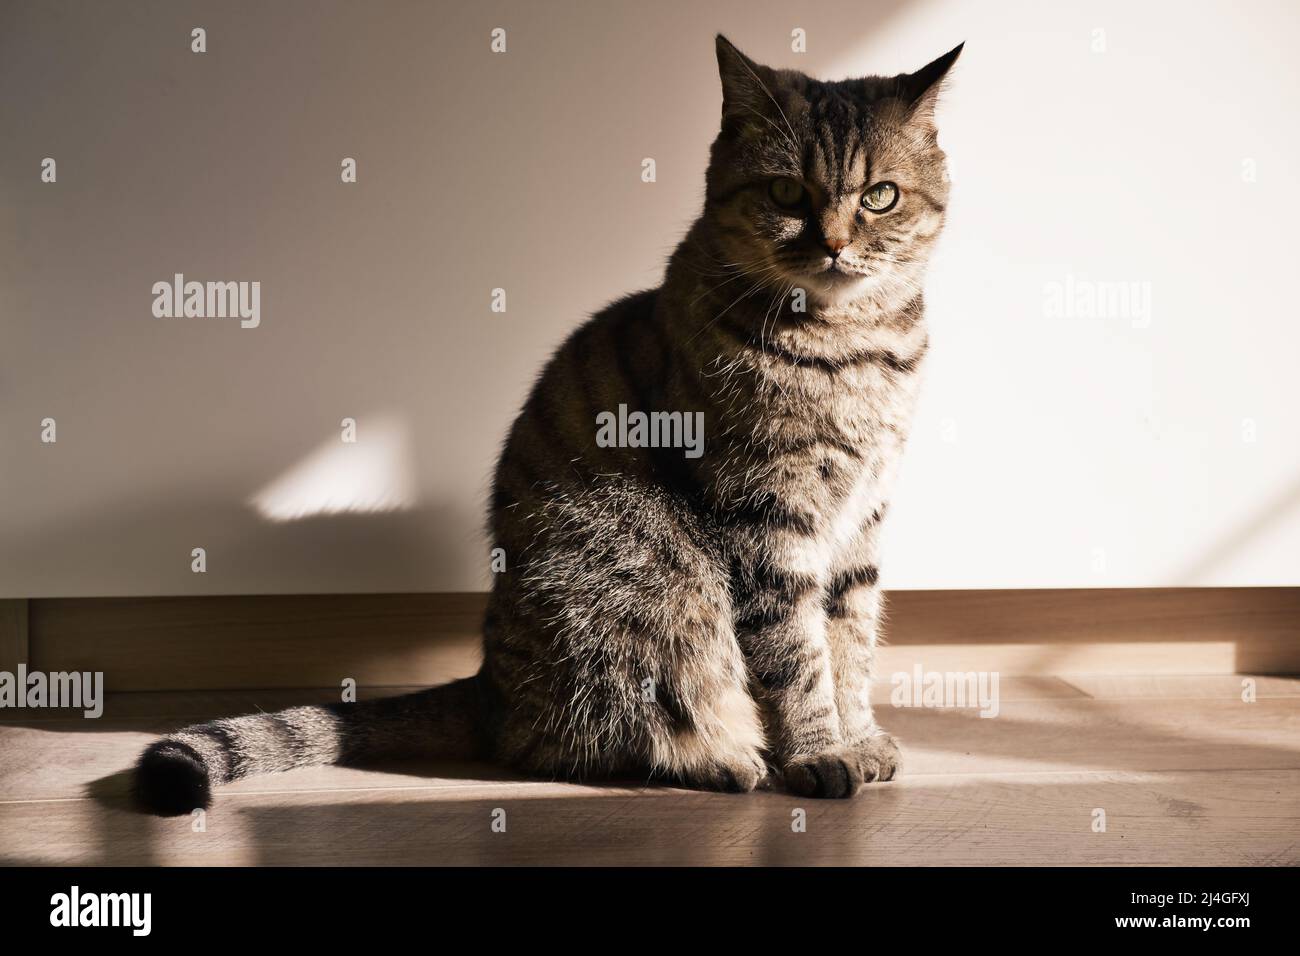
pixel 702 619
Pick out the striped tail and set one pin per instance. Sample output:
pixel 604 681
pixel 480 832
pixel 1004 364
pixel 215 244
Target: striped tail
pixel 175 775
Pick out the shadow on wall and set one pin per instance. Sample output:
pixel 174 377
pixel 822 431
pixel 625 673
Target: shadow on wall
pixel 339 500
pixel 378 290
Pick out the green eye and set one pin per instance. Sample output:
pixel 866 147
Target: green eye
pixel 881 197
pixel 786 191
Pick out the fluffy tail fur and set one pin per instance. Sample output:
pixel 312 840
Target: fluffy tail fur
pixel 175 774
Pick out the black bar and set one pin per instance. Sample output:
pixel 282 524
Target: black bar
pixel 226 907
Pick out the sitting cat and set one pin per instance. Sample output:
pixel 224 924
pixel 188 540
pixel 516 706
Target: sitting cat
pixel 699 618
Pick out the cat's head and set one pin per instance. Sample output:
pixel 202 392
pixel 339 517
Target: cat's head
pixel 838 188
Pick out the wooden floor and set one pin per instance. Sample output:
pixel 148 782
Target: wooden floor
pixel 1184 770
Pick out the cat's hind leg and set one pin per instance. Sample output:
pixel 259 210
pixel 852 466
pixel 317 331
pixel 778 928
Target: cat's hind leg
pixel 612 646
pixel 721 746
pixel 653 705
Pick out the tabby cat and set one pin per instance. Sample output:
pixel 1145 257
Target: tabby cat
pixel 707 619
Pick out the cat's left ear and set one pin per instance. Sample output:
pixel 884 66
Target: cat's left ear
pixel 921 89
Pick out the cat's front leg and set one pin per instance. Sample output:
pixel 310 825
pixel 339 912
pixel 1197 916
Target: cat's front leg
pixel 781 628
pixel 854 606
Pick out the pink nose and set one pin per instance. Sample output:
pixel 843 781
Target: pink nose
pixel 836 246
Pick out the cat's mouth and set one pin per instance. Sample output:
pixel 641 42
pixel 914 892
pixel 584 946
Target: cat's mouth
pixel 825 277
pixel 832 281
pixel 836 274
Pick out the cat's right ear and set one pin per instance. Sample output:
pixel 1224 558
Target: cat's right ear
pixel 746 86
pixel 921 89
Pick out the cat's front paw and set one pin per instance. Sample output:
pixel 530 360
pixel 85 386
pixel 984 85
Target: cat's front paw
pixel 879 757
pixel 835 774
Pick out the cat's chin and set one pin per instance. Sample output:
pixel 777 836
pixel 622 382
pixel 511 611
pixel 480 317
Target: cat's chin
pixel 838 288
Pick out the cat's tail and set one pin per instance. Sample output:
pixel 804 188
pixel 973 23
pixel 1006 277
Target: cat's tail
pixel 175 775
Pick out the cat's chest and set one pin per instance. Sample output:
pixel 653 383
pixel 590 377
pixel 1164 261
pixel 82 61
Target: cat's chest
pixel 841 443
pixel 867 407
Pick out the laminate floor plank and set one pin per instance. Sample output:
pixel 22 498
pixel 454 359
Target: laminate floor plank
pixel 1184 770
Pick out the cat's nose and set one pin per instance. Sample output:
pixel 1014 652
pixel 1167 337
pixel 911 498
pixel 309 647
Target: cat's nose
pixel 835 246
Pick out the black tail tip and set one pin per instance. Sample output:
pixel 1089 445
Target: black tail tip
pixel 171 779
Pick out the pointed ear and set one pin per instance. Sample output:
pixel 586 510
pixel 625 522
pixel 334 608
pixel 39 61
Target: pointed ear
pixel 921 89
pixel 746 86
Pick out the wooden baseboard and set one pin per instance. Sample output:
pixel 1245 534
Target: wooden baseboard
pixel 13 633
pixel 235 642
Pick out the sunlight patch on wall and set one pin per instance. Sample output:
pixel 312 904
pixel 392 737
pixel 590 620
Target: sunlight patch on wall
pixel 373 472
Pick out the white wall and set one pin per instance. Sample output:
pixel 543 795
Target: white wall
pixel 1112 450
pixel 1051 450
